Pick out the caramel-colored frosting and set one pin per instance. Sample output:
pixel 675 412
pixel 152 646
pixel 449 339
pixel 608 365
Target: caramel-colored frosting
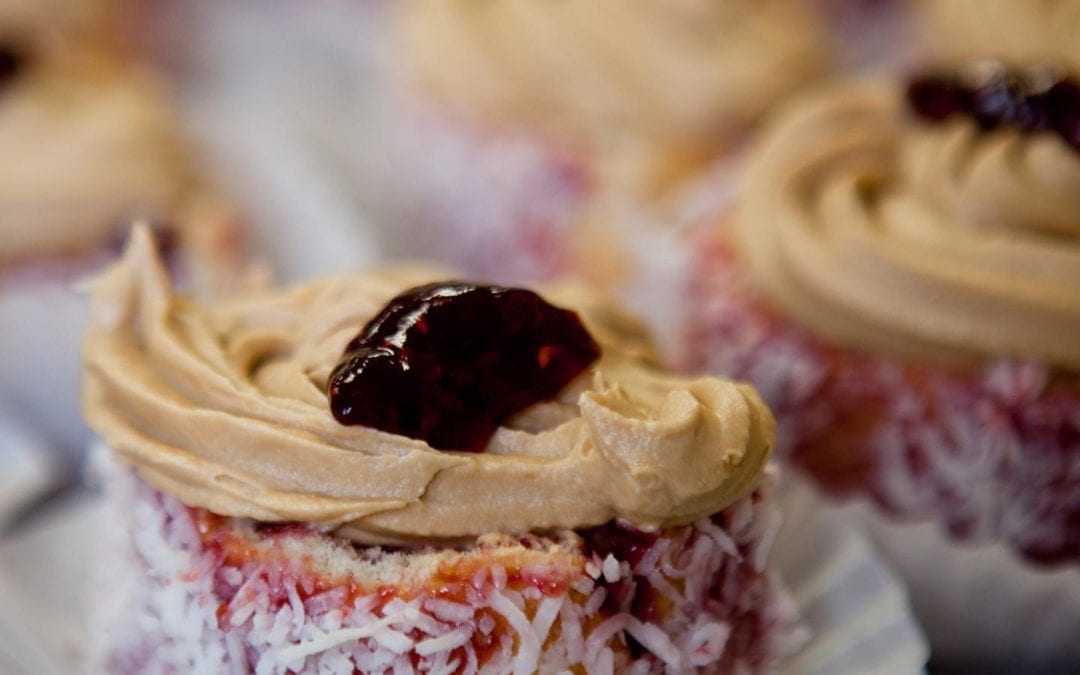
pixel 1019 31
pixel 677 73
pixel 935 241
pixel 63 30
pixel 224 406
pixel 85 151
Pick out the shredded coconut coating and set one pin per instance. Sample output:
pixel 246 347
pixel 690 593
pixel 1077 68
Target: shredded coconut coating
pixel 176 604
pixel 989 452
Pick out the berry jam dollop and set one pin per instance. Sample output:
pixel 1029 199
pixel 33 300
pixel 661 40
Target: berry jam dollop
pixel 449 362
pixel 1030 100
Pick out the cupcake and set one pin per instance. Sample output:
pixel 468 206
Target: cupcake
pixel 476 482
pixel 64 29
pixel 89 144
pixel 899 280
pixel 1016 31
pixel 526 117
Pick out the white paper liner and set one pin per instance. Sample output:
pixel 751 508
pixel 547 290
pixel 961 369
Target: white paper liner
pixel 981 606
pixel 44 579
pixel 854 607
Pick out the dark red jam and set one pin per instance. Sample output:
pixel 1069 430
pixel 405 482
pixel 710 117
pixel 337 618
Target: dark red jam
pixel 634 594
pixel 622 541
pixel 1029 100
pixel 449 362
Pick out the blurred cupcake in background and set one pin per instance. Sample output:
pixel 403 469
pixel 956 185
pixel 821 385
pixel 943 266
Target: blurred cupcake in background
pixel 901 280
pixel 1016 31
pixel 90 144
pixel 65 30
pixel 528 116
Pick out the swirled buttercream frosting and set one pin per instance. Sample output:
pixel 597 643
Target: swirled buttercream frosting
pixel 1018 31
pixel 682 73
pixel 934 241
pixel 224 406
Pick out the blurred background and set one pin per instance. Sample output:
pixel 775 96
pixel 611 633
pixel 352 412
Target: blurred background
pixel 288 139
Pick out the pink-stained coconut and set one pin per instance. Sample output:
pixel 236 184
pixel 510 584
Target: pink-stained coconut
pixel 189 591
pixel 500 203
pixel 989 453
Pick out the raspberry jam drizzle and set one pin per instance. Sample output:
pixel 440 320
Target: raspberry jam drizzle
pixel 447 363
pixel 1029 100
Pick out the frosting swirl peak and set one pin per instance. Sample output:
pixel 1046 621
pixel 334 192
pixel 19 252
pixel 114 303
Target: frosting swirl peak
pixel 224 407
pixel 935 241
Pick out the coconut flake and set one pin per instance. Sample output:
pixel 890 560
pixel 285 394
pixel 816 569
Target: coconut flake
pixel 447 642
pixel 570 622
pixel 605 662
pixel 376 629
pixel 602 634
pixel 611 569
pixel 546 613
pixel 393 640
pixel 656 641
pixel 592 605
pixel 722 539
pixel 498 576
pixel 592 568
pixel 707 642
pixel 528 654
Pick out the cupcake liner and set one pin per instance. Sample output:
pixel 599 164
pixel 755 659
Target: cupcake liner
pixel 854 609
pixel 21 651
pixel 982 607
pixel 44 588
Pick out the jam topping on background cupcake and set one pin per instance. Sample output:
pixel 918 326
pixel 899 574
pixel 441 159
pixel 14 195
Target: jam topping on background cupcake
pixel 951 240
pixel 899 281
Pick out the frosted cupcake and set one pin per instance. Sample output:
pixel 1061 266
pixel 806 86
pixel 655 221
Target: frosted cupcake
pixel 292 498
pixel 89 145
pixel 55 30
pixel 900 282
pixel 526 114
pixel 1016 31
